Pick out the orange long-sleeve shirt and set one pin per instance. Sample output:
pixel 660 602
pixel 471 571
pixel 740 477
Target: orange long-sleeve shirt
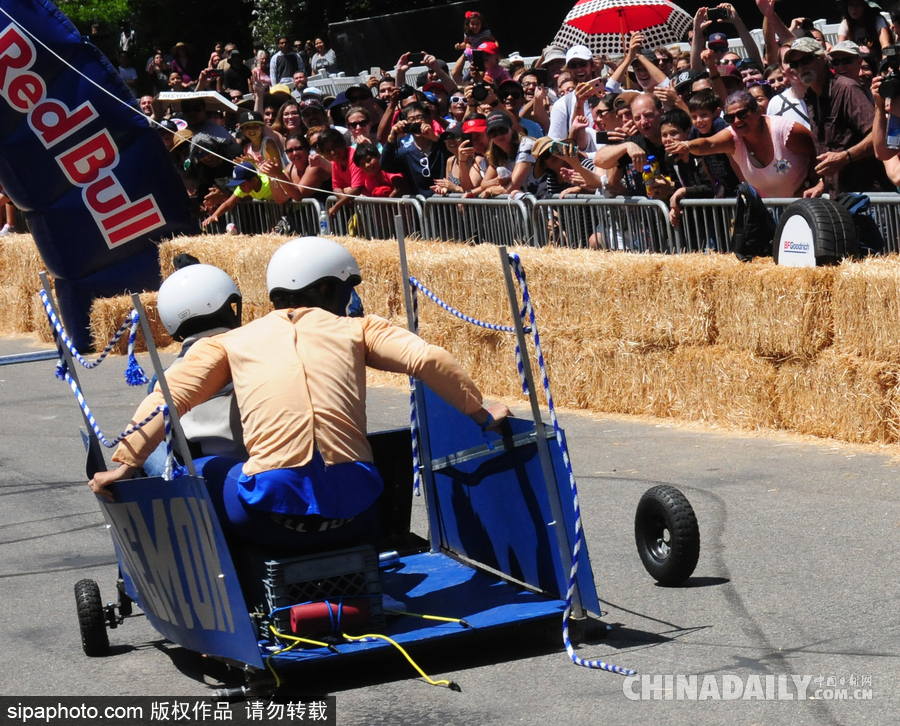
pixel 300 383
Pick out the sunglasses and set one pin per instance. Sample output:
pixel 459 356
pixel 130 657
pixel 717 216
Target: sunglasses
pixel 494 133
pixel 578 64
pixel 514 95
pixel 746 63
pixel 357 99
pixel 845 61
pixel 738 115
pixel 426 166
pixel 294 150
pixel 357 124
pixel 802 61
pixel 457 99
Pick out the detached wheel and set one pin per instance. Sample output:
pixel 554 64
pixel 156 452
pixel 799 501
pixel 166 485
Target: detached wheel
pixel 814 232
pixel 667 535
pixel 91 619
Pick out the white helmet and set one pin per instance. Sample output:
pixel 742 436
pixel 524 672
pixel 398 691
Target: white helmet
pixel 301 262
pixel 193 294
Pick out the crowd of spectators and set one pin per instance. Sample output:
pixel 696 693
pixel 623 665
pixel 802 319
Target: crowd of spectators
pixel 799 117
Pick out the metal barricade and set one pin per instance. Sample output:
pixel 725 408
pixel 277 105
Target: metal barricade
pixel 373 217
pixel 631 224
pixel 256 217
pixel 500 221
pixel 707 224
pixel 885 210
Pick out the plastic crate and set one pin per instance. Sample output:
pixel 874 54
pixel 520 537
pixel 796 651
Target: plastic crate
pixel 352 572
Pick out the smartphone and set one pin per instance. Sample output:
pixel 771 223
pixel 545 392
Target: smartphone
pixel 214 74
pixel 376 71
pixel 416 57
pixel 717 14
pixel 599 85
pixel 603 137
pixel 560 148
pixel 478 60
pixel 542 76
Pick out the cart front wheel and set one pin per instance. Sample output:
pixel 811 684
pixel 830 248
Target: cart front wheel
pixel 667 535
pixel 91 619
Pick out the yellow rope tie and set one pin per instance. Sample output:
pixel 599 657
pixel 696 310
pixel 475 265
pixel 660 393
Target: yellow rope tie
pixel 453 686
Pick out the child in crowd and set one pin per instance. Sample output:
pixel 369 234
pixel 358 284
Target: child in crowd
pixel 706 108
pixel 691 180
pixel 368 174
pixel 475 32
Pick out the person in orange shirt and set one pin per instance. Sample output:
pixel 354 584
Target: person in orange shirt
pixel 300 383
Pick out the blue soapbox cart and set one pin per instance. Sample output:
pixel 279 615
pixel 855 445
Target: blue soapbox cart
pixel 501 533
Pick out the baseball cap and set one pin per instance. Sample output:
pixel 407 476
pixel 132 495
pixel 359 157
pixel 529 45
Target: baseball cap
pixel 845 46
pixel 433 86
pixel 312 91
pixel 509 85
pixel 454 129
pixel 250 117
pixel 804 46
pixel 488 46
pixel 474 126
pixel 717 39
pixel 280 88
pixel 313 104
pixel 552 53
pixel 499 120
pixel 579 52
pixel 684 79
pixel 245 171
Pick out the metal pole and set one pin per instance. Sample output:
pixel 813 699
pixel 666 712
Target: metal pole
pixel 163 384
pixel 424 441
pixel 95 460
pixel 559 523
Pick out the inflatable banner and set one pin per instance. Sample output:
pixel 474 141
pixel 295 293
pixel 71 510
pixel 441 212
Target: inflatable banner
pixel 95 182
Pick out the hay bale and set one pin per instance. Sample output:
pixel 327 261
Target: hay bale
pixel 866 309
pixel 107 315
pixel 839 396
pixel 15 311
pixel 774 311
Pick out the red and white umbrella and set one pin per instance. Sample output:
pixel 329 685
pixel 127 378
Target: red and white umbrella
pixel 605 26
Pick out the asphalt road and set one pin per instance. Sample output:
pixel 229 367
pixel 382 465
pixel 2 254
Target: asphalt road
pixel 797 575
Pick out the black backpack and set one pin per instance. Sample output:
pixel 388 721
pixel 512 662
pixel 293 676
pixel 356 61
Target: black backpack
pixel 754 226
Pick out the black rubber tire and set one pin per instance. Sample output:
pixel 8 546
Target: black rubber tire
pixel 832 226
pixel 667 535
pixel 91 619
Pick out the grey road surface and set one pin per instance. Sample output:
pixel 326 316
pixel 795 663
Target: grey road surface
pixel 797 576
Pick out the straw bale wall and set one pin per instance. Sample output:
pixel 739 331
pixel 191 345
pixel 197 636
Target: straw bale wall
pixel 691 337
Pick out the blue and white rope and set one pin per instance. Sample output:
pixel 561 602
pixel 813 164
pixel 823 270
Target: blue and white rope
pixel 171 470
pixel 413 419
pixel 134 374
pixel 453 311
pixel 519 270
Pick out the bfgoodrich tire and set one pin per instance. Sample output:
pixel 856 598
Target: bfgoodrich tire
pixel 667 535
pixel 813 232
pixel 91 620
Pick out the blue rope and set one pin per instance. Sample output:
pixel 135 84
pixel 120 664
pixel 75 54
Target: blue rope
pixel 134 374
pixel 516 264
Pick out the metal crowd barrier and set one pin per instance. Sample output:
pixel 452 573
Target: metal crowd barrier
pixel 632 224
pixel 500 221
pixel 296 218
pixel 373 217
pixel 706 224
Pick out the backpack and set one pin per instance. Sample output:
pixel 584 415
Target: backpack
pixel 754 226
pixel 871 241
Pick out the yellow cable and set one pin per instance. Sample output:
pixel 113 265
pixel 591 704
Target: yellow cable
pixel 297 640
pixel 450 684
pixel 441 618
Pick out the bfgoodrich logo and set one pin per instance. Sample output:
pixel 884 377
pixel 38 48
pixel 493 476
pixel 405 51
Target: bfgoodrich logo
pixel 796 246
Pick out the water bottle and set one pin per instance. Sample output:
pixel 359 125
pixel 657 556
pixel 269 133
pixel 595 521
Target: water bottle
pixel 323 222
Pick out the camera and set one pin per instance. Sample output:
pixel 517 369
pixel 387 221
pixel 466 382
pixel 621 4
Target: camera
pixel 415 128
pixel 717 14
pixel 479 91
pixel 890 72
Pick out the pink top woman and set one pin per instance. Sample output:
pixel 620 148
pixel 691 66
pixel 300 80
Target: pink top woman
pixel 787 171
